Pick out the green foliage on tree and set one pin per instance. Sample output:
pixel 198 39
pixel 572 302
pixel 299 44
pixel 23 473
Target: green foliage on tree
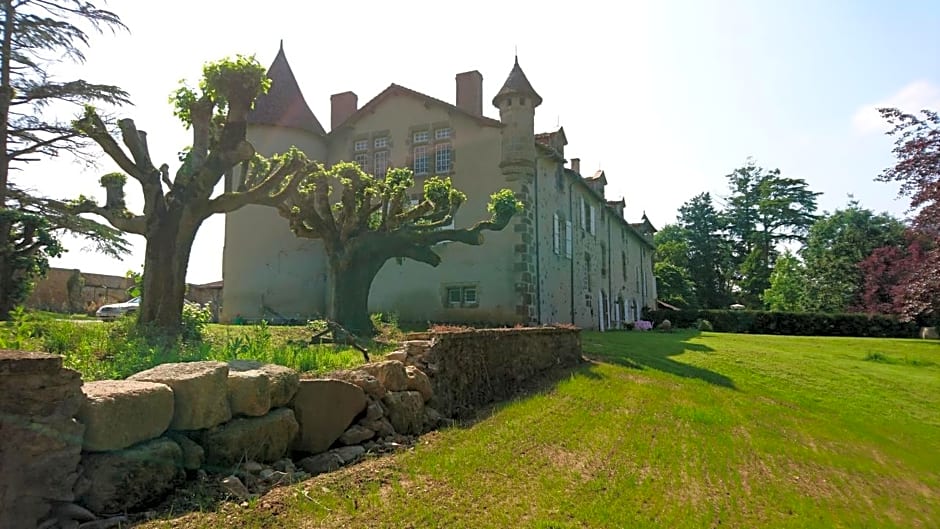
pixel 764 210
pixel 364 221
pixel 836 244
pixel 674 286
pixel 36 34
pixel 709 254
pixel 671 267
pixel 917 150
pixel 175 207
pixel 785 293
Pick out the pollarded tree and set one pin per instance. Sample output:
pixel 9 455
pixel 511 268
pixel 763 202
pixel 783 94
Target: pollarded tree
pixel 34 36
pixel 365 221
pixel 174 208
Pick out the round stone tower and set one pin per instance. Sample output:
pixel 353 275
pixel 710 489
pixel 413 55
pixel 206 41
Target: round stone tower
pixel 516 102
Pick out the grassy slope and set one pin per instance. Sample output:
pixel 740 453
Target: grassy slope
pixel 668 430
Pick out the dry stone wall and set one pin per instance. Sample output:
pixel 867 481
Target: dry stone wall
pixel 40 441
pixel 71 452
pixel 472 368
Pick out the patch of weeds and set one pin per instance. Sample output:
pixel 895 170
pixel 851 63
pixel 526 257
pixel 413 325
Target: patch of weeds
pixel 879 357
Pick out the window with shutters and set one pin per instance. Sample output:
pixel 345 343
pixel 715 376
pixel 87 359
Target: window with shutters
pixel 556 234
pixel 561 235
pixel 568 239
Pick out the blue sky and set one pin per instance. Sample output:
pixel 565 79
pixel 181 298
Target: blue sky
pixel 666 97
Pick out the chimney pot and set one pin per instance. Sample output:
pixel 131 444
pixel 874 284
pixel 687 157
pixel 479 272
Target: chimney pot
pixel 470 92
pixel 341 107
pixel 576 165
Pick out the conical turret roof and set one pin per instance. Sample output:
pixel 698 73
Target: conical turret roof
pixel 284 104
pixel 517 83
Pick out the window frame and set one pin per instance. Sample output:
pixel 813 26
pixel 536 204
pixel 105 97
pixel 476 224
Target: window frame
pixel 375 163
pixel 361 145
pixel 425 158
pixel 439 149
pixel 381 142
pixel 425 136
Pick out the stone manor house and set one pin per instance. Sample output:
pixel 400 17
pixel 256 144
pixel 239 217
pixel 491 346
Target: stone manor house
pixel 571 257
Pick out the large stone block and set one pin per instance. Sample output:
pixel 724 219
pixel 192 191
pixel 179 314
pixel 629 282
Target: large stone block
pixel 121 413
pixel 391 373
pixel 418 381
pixel 369 384
pixel 324 409
pixel 200 392
pixel 282 381
pixel 262 439
pixel 405 411
pixel 132 478
pixel 249 393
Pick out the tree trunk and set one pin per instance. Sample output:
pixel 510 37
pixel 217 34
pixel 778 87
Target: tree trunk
pixel 348 296
pixel 6 92
pixel 169 243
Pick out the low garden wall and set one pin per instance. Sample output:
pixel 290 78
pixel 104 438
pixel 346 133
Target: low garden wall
pixel 73 452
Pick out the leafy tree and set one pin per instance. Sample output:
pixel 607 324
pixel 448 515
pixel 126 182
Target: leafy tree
pixel 365 221
pixel 674 286
pixel 174 208
pixel 709 254
pixel 764 210
pixel 836 244
pixel 786 285
pixel 917 150
pixel 34 31
pixel 672 246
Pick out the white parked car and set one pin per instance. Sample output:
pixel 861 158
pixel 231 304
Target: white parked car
pixel 116 310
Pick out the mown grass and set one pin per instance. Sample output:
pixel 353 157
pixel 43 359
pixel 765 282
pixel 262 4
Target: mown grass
pixel 679 430
pixel 101 350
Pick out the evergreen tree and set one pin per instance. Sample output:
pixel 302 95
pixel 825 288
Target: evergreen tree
pixel 33 31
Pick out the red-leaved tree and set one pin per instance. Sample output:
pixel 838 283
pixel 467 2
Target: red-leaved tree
pixel 917 150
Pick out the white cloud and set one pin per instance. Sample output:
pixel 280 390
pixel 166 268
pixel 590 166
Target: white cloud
pixel 915 96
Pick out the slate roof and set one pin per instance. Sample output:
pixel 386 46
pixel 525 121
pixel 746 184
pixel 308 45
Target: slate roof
pixel 517 83
pixel 284 104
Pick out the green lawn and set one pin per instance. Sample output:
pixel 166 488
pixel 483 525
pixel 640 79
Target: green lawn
pixel 664 430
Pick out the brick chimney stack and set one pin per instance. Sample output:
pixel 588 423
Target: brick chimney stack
pixel 341 107
pixel 470 92
pixel 576 165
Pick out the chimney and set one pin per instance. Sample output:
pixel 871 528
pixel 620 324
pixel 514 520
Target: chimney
pixel 576 165
pixel 341 107
pixel 470 92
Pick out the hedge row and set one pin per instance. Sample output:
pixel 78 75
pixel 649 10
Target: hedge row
pixel 789 323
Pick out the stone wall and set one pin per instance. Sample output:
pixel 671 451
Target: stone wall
pixel 472 368
pixel 73 452
pixel 40 441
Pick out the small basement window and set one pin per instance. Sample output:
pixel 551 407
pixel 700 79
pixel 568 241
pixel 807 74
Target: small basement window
pixel 461 297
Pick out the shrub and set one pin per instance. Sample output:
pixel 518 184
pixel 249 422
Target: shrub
pixel 788 323
pixel 704 325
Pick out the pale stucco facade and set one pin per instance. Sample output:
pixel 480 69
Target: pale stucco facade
pixel 518 275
